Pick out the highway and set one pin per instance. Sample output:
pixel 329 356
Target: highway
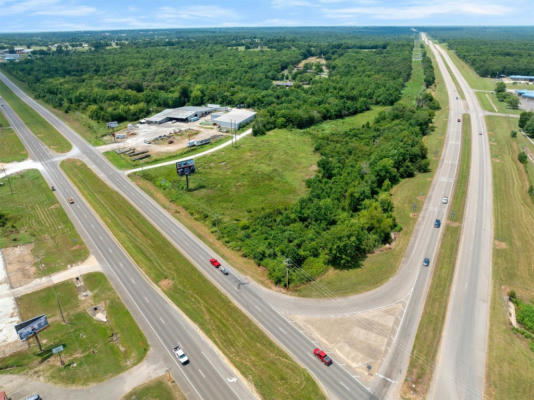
pixel 207 376
pixel 460 370
pixel 337 381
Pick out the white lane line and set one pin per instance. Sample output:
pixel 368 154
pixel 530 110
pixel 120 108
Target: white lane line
pixel 109 249
pixel 387 379
pixel 120 263
pixel 162 321
pixel 132 280
pixel 202 373
pixel 281 330
pixel 257 307
pixel 146 299
pixel 342 384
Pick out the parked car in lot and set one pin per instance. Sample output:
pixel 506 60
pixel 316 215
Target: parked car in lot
pixel 321 355
pixel 444 200
pixel 215 263
pixel 426 262
pixel 180 354
pixel 437 223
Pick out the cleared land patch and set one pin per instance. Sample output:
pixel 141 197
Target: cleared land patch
pixel 11 148
pixel 37 124
pixel 156 389
pixel 33 215
pixel 93 351
pixel 271 371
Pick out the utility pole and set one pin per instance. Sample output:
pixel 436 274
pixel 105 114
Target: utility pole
pixel 38 341
pixel 60 309
pixel 286 263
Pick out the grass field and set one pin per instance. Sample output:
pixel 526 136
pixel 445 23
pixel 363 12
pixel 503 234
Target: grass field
pixel 35 216
pixel 488 100
pixel 89 353
pixel 11 148
pixel 156 389
pixel 37 124
pixel 122 161
pixel 428 338
pixel 270 370
pixel 415 85
pixel 510 363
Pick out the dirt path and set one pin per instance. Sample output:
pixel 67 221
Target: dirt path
pixel 20 386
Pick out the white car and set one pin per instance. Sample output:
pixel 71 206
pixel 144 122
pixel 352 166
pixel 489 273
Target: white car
pixel 445 200
pixel 180 355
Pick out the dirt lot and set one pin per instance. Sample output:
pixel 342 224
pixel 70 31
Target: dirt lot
pixel 20 264
pixel 357 340
pixel 178 132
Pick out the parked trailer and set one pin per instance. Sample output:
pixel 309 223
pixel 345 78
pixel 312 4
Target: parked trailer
pixel 142 156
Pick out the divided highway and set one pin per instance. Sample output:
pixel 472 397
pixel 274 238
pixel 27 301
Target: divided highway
pixel 460 371
pixel 207 376
pixel 338 382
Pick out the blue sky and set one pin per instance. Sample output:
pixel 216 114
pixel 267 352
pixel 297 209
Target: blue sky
pixel 62 15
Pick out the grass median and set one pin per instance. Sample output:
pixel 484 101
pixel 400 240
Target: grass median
pixel 274 374
pixel 34 216
pixel 93 351
pixel 510 361
pixel 156 389
pixel 428 335
pixel 11 148
pixel 37 124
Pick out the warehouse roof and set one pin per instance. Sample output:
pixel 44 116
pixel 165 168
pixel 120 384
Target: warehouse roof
pixel 523 77
pixel 526 93
pixel 178 113
pixel 235 116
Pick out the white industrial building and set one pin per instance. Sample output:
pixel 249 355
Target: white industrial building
pixel 233 119
pixel 181 114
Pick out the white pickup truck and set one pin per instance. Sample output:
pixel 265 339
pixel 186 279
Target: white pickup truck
pixel 180 355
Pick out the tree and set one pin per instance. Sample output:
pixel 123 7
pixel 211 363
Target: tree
pixel 347 245
pixel 258 128
pixel 513 102
pixel 522 157
pixel 513 134
pixel 500 87
pixel 524 117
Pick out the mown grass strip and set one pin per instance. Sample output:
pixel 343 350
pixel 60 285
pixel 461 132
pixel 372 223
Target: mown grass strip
pixel 429 332
pixel 158 388
pixel 37 124
pixel 274 374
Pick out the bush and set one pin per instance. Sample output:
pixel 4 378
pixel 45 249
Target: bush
pixel 513 134
pixel 522 157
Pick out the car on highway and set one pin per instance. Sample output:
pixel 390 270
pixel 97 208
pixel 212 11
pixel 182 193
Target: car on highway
pixel 71 200
pixel 437 223
pixel 321 355
pixel 444 200
pixel 224 270
pixel 426 262
pixel 480 133
pixel 53 188
pixel 180 354
pixel 215 262
pixel 459 120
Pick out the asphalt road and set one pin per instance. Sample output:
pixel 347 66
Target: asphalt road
pixel 461 364
pixel 207 376
pixel 338 382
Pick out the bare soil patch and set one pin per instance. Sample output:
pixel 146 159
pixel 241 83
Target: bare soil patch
pixel 165 283
pixel 20 264
pixel 500 245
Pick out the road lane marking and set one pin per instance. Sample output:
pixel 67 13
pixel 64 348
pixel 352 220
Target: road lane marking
pixel 146 299
pixel 162 321
pixel 342 384
pixel 202 373
pixel 386 378
pixel 281 330
pixel 109 249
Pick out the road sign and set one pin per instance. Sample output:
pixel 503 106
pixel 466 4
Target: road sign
pixel 28 328
pixel 57 349
pixel 112 124
pixel 186 167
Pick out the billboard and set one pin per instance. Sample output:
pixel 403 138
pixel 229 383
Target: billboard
pixel 31 326
pixel 186 167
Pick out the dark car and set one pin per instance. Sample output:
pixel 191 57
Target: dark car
pixel 426 262
pixel 437 223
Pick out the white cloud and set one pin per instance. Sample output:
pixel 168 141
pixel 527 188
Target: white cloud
pixel 77 11
pixel 45 7
pixel 197 13
pixel 418 11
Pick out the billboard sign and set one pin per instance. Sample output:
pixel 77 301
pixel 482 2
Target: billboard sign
pixel 27 328
pixel 186 167
pixel 112 124
pixel 57 349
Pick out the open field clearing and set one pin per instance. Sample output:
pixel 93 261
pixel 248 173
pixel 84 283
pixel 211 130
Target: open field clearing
pixel 271 371
pixel 41 128
pixel 34 216
pixel 428 338
pixel 157 389
pixel 11 148
pixel 489 100
pixel 93 350
pixel 510 364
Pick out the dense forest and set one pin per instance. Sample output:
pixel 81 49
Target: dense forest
pixel 491 51
pixel 139 76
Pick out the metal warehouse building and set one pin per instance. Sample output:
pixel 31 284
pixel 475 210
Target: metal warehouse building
pixel 523 78
pixel 233 119
pixel 527 99
pixel 181 114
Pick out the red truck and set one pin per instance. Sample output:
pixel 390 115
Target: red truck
pixel 321 355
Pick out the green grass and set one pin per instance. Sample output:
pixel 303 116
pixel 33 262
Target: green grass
pixel 156 389
pixel 90 356
pixel 415 85
pixel 262 173
pixel 11 148
pixel 37 124
pixel 273 373
pixel 428 335
pixel 474 80
pixel 484 100
pixel 122 161
pixel 510 363
pixel 35 216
